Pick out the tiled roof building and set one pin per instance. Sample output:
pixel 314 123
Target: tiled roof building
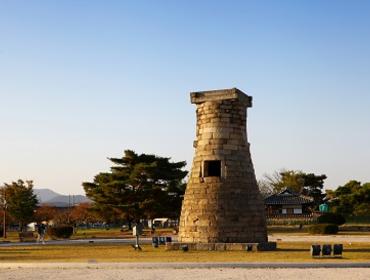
pixel 288 202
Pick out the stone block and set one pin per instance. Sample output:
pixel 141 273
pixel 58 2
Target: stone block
pixel 205 246
pixel 220 246
pixel 234 246
pixel 267 246
pixel 173 246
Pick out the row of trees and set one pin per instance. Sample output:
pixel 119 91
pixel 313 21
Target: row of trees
pixel 19 205
pixel 137 186
pixel 147 186
pixel 77 215
pixel 351 199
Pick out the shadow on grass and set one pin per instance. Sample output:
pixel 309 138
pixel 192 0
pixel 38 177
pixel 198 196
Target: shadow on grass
pixel 12 252
pixel 359 250
pixel 291 250
pixel 25 251
pixel 28 258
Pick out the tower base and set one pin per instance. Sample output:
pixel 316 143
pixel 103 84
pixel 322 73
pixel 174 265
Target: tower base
pixel 253 247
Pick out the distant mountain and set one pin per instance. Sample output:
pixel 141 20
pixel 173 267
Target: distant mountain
pixel 47 196
pixel 67 200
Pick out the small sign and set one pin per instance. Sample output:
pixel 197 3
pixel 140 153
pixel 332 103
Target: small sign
pixel 324 208
pixel 137 230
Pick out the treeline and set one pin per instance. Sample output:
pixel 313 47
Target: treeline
pixel 138 186
pixel 146 186
pixel 351 199
pixel 19 207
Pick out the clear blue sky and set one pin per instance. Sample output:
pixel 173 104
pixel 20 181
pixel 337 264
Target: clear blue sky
pixel 81 81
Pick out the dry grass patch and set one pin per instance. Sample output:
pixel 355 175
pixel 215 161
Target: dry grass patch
pixel 287 252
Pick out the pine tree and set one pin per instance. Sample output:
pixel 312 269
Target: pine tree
pixel 139 186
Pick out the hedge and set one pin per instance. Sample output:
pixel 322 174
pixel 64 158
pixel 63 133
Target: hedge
pixel 60 231
pixel 323 229
pixel 331 218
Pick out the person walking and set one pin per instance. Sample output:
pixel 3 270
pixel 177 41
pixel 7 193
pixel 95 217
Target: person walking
pixel 41 230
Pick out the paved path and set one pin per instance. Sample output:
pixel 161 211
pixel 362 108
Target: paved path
pixel 132 272
pixel 181 265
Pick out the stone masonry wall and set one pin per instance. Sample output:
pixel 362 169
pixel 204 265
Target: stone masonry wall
pixel 228 208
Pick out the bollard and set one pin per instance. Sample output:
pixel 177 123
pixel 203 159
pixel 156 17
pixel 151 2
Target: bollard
pixel 162 240
pixel 155 242
pixel 315 250
pixel 326 250
pixel 249 247
pixel 184 248
pixel 337 249
pixel 137 230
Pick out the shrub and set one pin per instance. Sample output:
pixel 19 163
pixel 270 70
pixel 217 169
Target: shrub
pixel 323 229
pixel 60 231
pixel 331 218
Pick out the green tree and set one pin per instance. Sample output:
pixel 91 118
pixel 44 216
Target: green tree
pixel 313 186
pixel 139 186
pixel 20 200
pixel 352 199
pixel 343 200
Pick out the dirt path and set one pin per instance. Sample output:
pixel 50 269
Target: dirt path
pixel 105 273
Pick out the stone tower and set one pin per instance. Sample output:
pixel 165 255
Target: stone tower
pixel 222 203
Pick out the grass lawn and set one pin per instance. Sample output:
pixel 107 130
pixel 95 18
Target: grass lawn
pixel 287 252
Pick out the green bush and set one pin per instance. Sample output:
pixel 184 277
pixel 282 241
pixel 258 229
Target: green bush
pixel 331 218
pixel 358 219
pixel 323 229
pixel 60 231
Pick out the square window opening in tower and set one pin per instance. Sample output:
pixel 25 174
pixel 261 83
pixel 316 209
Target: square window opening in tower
pixel 212 168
